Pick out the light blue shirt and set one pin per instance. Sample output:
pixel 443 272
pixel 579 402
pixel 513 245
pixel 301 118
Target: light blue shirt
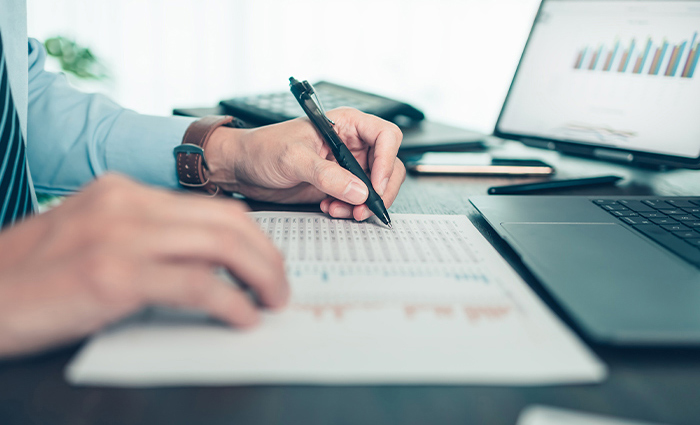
pixel 73 137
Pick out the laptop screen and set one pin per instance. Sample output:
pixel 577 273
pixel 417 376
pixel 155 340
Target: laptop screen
pixel 621 74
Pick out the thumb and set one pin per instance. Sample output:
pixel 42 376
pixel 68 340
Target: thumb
pixel 334 180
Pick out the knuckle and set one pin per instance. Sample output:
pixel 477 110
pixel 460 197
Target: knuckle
pixel 400 167
pixel 321 172
pixel 395 129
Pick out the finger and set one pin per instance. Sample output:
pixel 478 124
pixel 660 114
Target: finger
pixel 395 181
pixel 195 286
pixel 336 208
pixel 325 204
pixel 339 209
pixel 385 140
pixel 221 230
pixel 223 213
pixel 262 272
pixel 361 213
pixel 332 179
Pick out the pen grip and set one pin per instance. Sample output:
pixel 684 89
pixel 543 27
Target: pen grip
pixel 347 160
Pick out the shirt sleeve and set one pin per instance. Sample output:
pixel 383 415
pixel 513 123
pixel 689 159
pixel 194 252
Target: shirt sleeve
pixel 73 137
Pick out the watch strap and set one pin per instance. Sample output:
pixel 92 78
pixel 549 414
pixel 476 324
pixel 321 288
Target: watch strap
pixel 192 167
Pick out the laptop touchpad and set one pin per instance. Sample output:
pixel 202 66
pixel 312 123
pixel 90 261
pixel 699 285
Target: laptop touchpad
pixel 569 246
pixel 601 271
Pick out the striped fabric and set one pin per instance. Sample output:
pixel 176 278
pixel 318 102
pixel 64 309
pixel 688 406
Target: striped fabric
pixel 15 194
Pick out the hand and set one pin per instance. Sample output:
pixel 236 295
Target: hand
pixel 290 163
pixel 119 246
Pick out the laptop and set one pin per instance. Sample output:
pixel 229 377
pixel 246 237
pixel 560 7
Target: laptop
pixel 616 80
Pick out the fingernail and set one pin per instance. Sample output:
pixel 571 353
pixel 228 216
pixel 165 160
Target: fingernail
pixel 382 186
pixel 342 211
pixel 355 193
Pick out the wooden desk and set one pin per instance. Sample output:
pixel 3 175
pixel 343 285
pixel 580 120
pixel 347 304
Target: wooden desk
pixel 653 385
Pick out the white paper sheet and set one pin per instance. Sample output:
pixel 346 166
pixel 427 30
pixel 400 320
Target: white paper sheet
pixel 428 302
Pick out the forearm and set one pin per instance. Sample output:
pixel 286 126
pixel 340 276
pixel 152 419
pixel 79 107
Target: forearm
pixel 73 137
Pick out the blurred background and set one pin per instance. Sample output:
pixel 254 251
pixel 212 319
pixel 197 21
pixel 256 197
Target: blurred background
pixel 454 59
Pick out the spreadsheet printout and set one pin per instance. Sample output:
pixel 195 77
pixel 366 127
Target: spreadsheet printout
pixel 430 301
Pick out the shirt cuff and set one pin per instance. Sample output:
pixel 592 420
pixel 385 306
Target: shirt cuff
pixel 141 146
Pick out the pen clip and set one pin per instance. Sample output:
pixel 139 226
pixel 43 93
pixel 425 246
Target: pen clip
pixel 314 97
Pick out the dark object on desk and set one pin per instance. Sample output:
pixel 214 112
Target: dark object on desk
pixel 552 185
pixel 626 271
pixel 419 137
pixel 271 108
pixel 475 164
pixel 430 136
pixel 308 100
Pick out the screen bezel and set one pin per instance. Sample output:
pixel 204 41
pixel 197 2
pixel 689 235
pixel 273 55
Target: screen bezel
pixel 603 152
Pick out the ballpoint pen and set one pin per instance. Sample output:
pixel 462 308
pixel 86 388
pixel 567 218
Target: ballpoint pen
pixel 552 184
pixel 304 93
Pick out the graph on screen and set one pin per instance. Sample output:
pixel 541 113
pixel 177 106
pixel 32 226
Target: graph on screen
pixel 616 73
pixel 648 57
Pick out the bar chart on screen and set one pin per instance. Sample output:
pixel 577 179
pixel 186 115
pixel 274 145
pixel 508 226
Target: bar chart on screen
pixel 619 74
pixel 649 57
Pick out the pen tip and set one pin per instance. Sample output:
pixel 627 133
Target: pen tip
pixel 390 226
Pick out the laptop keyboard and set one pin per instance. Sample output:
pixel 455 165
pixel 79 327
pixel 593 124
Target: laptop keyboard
pixel 672 222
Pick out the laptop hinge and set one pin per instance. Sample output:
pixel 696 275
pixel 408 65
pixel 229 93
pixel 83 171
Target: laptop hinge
pixel 613 155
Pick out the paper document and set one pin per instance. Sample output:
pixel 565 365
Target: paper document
pixel 430 301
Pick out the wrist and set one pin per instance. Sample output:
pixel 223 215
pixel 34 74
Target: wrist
pixel 221 152
pixel 200 146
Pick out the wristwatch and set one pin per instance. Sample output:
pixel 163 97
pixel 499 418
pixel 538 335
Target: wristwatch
pixel 192 167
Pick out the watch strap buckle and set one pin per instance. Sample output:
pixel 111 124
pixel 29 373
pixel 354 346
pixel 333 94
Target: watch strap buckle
pixel 188 149
pixel 192 167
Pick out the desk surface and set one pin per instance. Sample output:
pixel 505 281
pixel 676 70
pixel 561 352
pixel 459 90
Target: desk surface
pixel 653 385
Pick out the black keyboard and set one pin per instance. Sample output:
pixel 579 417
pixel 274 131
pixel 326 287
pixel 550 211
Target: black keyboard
pixel 673 223
pixel 277 107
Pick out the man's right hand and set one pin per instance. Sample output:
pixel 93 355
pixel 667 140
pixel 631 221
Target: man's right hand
pixel 119 246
